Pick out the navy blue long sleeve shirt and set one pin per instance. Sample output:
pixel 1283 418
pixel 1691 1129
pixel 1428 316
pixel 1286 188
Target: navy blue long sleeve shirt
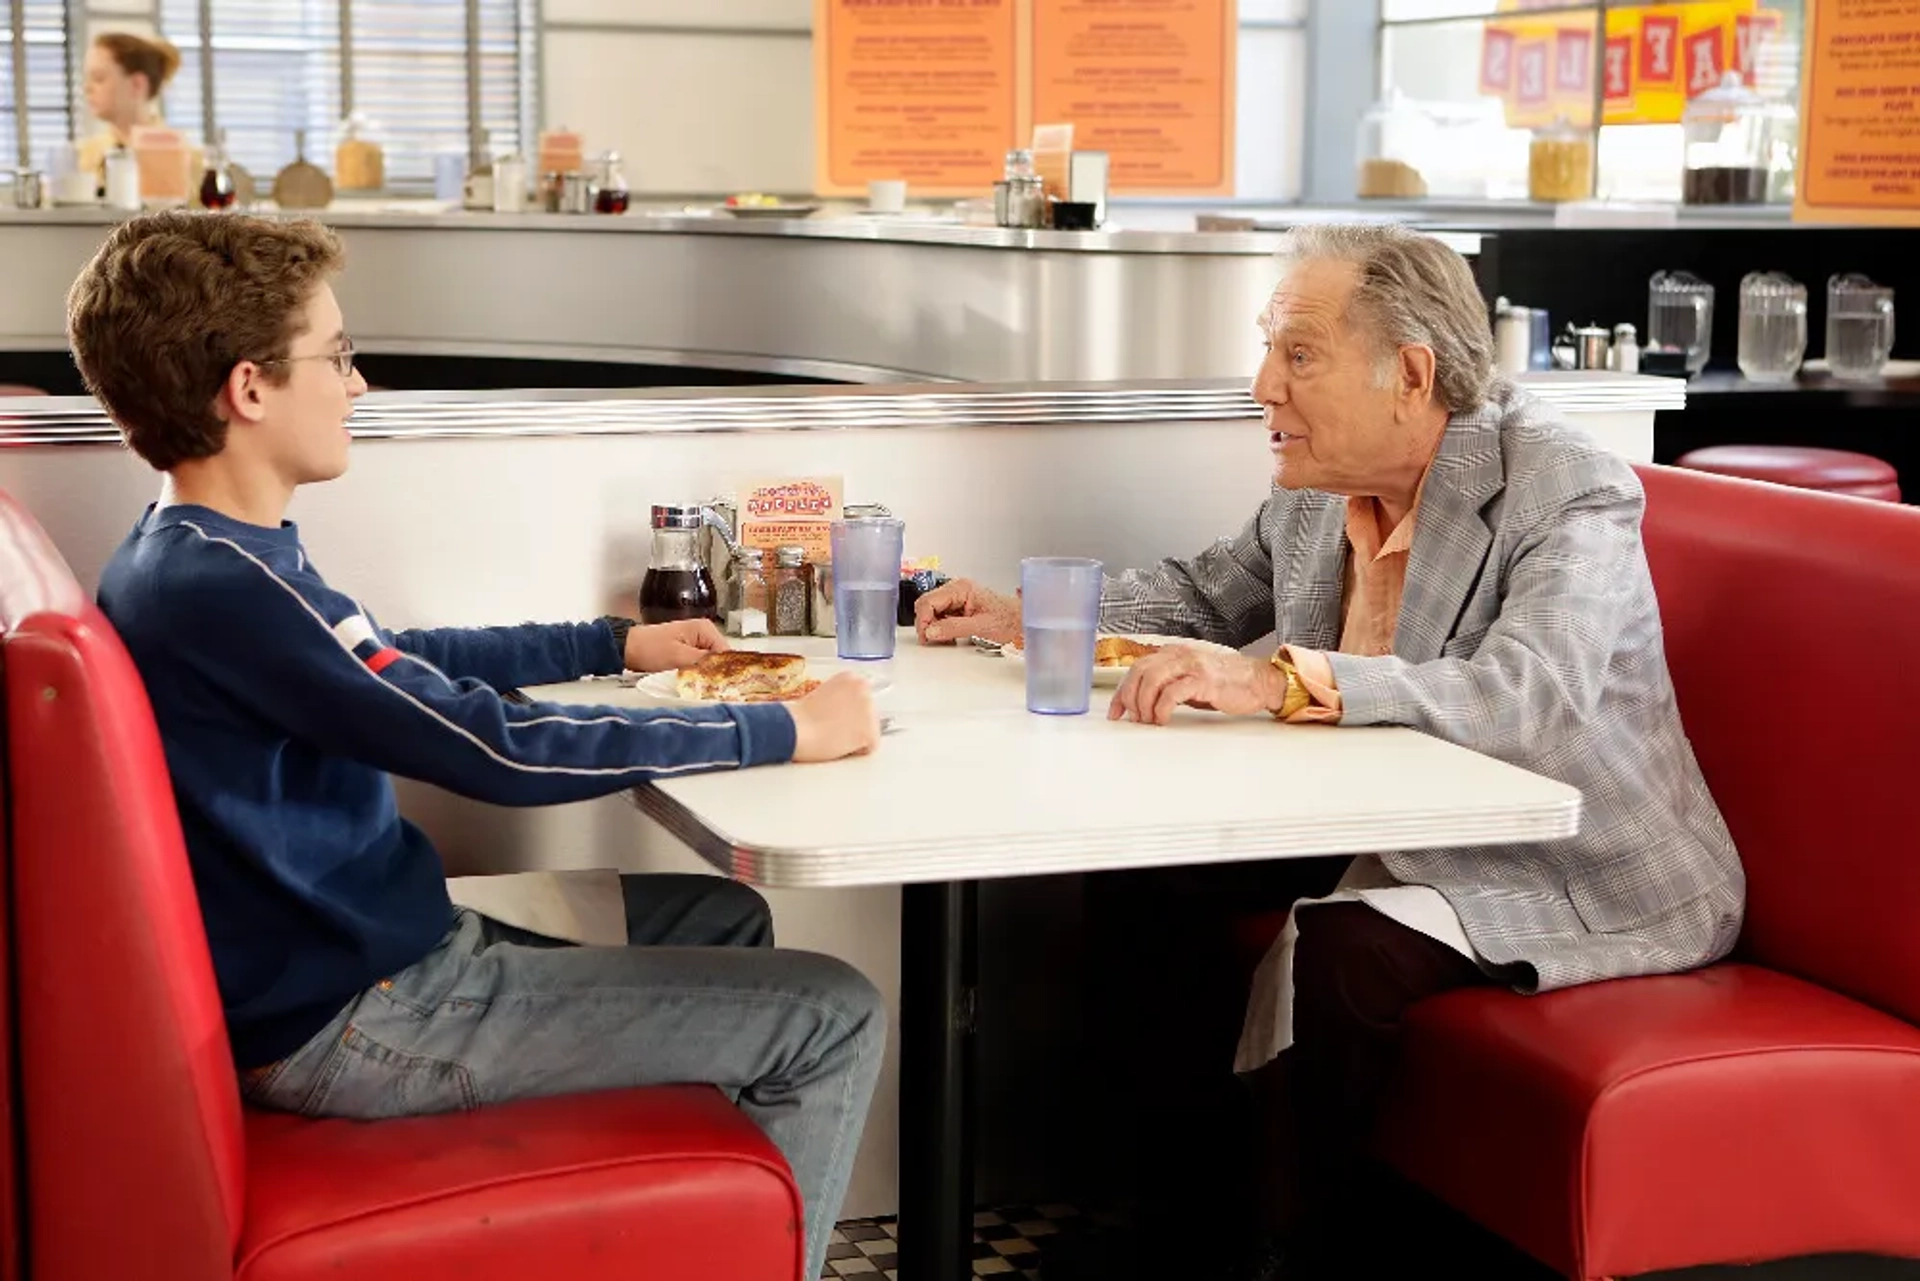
pixel 283 707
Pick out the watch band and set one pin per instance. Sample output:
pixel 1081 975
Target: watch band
pixel 1298 697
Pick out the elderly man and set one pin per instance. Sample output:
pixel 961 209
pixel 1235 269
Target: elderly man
pixel 1439 552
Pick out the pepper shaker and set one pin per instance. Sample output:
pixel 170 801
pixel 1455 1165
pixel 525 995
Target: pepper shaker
pixel 790 592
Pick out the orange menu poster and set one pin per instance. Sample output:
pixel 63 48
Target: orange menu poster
pixel 1149 82
pixel 1860 112
pixel 922 90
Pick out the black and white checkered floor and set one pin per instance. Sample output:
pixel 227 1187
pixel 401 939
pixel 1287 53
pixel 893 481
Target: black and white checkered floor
pixel 1006 1243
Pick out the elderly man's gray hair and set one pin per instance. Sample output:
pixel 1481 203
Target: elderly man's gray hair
pixel 1412 291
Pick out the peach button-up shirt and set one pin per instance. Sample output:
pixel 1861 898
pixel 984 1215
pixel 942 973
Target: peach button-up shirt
pixel 1376 575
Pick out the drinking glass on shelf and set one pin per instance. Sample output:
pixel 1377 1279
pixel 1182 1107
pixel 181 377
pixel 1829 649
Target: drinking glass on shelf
pixel 1773 327
pixel 1059 612
pixel 1680 316
pixel 1859 327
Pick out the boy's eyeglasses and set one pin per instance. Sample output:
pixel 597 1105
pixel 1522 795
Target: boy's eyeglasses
pixel 342 359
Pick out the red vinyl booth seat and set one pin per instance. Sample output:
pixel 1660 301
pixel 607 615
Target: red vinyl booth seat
pixel 1768 1107
pixel 139 1162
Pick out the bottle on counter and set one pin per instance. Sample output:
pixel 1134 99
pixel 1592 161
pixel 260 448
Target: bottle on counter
pixel 1560 163
pixel 1726 132
pixel 611 198
pixel 217 187
pixel 478 192
pixel 1020 197
pixel 677 584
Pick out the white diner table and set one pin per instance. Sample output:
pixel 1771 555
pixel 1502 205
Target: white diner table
pixel 968 785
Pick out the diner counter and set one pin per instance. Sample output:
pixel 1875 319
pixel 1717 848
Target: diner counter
pixel 849 299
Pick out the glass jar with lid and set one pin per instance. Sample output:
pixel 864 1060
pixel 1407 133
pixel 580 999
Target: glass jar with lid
pixel 1395 137
pixel 359 162
pixel 1726 132
pixel 1560 163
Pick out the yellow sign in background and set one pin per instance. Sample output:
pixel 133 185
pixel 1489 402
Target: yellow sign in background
pixel 1650 63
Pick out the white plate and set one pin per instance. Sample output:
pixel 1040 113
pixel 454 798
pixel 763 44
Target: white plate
pixel 665 686
pixel 1112 676
pixel 770 211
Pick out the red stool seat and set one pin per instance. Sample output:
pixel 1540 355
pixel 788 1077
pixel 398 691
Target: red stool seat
pixel 19 389
pixel 1832 471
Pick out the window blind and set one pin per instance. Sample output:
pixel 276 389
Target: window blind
pixel 410 77
pixel 277 71
pixel 45 28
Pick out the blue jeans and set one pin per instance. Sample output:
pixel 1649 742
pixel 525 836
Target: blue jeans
pixel 495 1013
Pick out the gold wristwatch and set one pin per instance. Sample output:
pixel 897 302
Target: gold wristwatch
pixel 1297 696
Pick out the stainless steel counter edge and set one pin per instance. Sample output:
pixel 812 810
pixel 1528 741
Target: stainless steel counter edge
pixel 848 226
pixel 429 415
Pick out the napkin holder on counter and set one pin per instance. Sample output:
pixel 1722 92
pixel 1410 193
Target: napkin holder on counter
pixel 1087 182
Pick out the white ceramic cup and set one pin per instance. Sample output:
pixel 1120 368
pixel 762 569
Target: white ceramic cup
pixel 76 187
pixel 886 196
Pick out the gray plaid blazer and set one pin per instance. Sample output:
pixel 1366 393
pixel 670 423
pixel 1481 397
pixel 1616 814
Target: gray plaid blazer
pixel 1528 631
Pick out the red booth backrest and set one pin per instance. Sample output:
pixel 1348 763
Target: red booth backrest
pixel 133 1113
pixel 1792 625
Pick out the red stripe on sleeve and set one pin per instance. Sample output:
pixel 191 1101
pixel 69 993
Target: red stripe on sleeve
pixel 382 660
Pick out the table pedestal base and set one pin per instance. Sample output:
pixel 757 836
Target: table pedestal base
pixel 938 977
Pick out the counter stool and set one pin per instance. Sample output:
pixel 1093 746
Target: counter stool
pixel 1832 471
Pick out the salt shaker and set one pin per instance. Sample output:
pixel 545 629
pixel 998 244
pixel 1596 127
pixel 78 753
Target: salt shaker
pixel 1513 339
pixel 1625 356
pixel 750 604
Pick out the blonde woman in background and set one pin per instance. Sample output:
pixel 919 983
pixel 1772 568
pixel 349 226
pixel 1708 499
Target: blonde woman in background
pixel 125 74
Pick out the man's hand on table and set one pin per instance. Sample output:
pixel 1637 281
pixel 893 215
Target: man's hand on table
pixel 836 720
pixel 664 647
pixel 962 608
pixel 1216 681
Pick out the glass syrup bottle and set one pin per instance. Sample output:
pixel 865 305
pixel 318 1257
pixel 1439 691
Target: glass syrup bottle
pixel 217 189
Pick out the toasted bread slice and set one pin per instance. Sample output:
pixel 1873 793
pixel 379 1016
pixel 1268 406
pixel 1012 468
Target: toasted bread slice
pixel 742 676
pixel 1119 651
